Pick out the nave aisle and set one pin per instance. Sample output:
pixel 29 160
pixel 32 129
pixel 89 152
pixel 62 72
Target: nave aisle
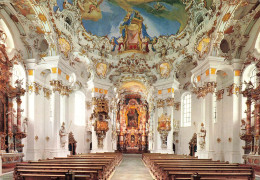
pixel 132 168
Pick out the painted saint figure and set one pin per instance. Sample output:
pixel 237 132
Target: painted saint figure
pixel 132 118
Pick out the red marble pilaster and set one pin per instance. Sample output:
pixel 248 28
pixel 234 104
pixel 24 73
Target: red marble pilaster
pixel 10 117
pixel 257 119
pixel 248 116
pixel 19 114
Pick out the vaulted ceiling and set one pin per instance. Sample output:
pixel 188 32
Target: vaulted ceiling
pixel 133 41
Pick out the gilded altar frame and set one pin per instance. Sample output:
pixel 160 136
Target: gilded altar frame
pixel 138 111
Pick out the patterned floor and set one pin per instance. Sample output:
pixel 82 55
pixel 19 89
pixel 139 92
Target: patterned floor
pixel 132 168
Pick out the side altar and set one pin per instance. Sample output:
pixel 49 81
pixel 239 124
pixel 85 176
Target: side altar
pixel 11 133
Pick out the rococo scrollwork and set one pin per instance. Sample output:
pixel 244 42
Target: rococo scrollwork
pixel 208 87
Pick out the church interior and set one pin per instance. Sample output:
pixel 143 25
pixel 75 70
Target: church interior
pixel 171 84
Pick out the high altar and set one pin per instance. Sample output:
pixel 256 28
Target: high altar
pixel 132 126
pixel 10 127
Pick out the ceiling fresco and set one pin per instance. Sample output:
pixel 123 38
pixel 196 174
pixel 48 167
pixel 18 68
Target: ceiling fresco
pixel 133 43
pixel 25 8
pixel 103 18
pixel 133 87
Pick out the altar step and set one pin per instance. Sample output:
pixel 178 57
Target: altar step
pixel 133 151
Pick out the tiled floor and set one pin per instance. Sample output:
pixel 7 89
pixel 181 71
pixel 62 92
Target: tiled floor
pixel 132 168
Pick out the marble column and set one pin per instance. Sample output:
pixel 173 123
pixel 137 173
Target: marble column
pixel 10 117
pixel 1 171
pixel 10 125
pixel 170 133
pixel 19 133
pixel 257 126
pixel 151 131
pixel 209 127
pixel 56 147
pixel 30 141
pixel 19 114
pixel 248 116
pixel 235 139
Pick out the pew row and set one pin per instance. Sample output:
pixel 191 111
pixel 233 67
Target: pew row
pixel 177 167
pixel 89 166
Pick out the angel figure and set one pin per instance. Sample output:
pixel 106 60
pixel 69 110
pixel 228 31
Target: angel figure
pixel 25 125
pixel 90 9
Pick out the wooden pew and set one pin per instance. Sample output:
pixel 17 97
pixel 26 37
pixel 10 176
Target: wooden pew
pixel 209 175
pixel 92 174
pixel 170 167
pixel 93 166
pixel 104 169
pixel 110 163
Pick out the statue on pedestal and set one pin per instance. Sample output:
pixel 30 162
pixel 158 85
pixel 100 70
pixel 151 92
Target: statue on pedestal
pixel 63 134
pixel 25 125
pixel 202 135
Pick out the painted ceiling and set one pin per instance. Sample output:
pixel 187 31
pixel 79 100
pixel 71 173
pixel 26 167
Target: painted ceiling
pixel 103 18
pixel 133 87
pixel 98 37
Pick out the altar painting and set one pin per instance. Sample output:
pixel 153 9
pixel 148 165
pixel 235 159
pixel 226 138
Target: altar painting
pixel 132 117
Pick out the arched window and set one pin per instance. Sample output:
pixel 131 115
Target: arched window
pixel 186 110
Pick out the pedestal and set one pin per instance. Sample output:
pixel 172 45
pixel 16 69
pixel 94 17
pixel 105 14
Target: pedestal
pixel 253 160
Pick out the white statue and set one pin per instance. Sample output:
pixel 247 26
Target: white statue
pixel 117 126
pixel 202 135
pixel 25 125
pixel 63 137
pixel 243 128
